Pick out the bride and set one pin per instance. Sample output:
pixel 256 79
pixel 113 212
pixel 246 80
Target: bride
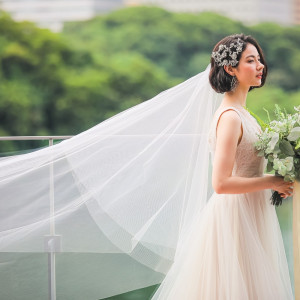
pixel 235 250
pixel 134 202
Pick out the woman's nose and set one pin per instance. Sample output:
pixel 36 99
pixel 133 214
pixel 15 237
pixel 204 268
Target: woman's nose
pixel 260 66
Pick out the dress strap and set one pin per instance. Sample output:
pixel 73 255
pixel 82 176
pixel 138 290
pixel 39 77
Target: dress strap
pixel 228 108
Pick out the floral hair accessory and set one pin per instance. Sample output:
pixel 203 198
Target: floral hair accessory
pixel 226 56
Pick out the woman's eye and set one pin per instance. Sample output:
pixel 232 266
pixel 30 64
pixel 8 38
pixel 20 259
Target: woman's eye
pixel 250 61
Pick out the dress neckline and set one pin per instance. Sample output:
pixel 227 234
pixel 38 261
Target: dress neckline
pixel 237 107
pixel 249 115
pixel 240 109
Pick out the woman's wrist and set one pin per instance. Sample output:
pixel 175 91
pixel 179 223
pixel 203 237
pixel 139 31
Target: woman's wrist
pixel 269 180
pixel 267 174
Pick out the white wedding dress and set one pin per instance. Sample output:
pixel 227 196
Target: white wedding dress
pixel 234 250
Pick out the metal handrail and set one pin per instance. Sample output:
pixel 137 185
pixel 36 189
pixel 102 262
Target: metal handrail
pixel 32 137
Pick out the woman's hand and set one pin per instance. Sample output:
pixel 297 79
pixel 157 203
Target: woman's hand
pixel 284 188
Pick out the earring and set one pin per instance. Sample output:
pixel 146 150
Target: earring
pixel 234 83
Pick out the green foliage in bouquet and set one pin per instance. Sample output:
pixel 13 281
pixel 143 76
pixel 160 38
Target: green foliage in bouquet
pixel 279 143
pixel 262 124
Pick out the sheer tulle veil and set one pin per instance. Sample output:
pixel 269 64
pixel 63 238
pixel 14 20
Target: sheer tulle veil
pixel 114 203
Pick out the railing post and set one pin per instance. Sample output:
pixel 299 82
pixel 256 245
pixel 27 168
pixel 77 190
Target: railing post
pixel 51 242
pixel 51 194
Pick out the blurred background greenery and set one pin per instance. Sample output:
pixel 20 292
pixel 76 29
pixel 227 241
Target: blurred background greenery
pixel 64 83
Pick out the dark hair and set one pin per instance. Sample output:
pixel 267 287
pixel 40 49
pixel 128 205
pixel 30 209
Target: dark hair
pixel 219 79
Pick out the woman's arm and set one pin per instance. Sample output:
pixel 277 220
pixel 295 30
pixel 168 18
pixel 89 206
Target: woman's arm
pixel 228 133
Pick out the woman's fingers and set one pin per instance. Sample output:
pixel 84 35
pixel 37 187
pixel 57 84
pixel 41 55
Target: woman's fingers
pixel 287 193
pixel 289 189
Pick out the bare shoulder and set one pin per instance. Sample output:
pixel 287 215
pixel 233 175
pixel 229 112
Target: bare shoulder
pixel 229 118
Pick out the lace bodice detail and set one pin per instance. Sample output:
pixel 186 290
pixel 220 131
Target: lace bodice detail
pixel 247 163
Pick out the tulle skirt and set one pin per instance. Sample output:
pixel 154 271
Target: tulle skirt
pixel 234 251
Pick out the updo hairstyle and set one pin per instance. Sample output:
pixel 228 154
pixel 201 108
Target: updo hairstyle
pixel 219 79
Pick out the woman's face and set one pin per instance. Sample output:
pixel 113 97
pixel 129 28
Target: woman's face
pixel 250 69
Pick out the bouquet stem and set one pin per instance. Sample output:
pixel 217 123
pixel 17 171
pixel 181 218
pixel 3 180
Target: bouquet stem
pixel 276 199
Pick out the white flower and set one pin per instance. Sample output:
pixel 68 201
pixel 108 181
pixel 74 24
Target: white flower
pixel 294 134
pixel 279 166
pixel 298 119
pixel 297 108
pixel 283 165
pixel 289 163
pixel 274 139
pixel 278 126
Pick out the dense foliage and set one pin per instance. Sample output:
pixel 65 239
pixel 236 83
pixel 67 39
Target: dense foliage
pixel 181 43
pixel 65 83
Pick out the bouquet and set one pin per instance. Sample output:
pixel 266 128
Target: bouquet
pixel 279 143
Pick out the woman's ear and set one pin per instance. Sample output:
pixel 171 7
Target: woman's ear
pixel 229 70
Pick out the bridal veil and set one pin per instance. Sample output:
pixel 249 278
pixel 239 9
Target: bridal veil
pixel 106 211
